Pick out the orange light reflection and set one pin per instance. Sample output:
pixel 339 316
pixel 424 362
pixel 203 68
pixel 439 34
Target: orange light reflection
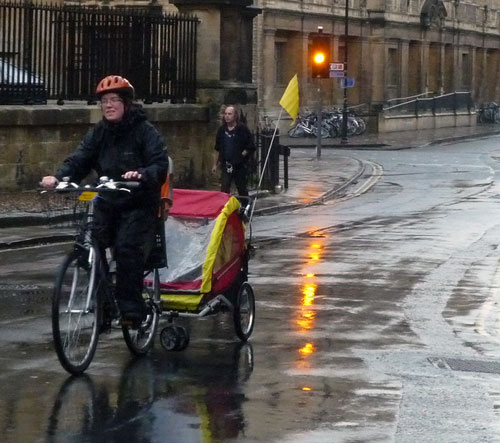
pixel 313 256
pixel 307 349
pixel 309 291
pixel 307 315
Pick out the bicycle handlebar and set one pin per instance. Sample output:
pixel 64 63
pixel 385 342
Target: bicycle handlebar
pixel 105 184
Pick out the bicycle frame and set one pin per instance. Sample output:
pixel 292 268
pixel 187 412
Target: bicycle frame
pixel 83 304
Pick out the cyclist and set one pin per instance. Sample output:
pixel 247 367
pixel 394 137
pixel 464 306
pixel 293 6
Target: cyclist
pixel 124 145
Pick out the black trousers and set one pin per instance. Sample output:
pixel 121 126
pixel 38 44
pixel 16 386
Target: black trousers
pixel 240 178
pixel 131 232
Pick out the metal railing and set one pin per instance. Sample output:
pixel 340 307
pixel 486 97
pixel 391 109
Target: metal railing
pixel 398 100
pixel 61 52
pixel 452 102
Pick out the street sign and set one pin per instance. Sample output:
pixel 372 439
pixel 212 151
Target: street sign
pixel 346 82
pixel 336 74
pixel 336 66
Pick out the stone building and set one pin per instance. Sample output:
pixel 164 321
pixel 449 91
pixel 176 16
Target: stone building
pixel 250 49
pixel 395 48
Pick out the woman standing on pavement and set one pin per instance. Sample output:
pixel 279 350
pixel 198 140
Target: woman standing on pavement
pixel 124 145
pixel 234 146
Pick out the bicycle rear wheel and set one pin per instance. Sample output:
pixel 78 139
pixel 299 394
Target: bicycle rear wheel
pixel 141 340
pixel 76 309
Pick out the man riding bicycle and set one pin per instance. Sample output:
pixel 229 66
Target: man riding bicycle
pixel 124 145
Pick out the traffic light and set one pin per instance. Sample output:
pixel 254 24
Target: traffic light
pixel 320 57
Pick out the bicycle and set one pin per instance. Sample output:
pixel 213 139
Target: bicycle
pixel 489 113
pixel 307 126
pixel 84 303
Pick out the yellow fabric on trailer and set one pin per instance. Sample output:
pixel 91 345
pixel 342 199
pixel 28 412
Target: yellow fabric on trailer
pixel 181 302
pixel 206 280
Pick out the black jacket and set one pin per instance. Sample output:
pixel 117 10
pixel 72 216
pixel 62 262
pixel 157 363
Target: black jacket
pixel 110 150
pixel 243 140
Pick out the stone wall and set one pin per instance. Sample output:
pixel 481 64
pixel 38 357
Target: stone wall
pixel 34 140
pixel 430 121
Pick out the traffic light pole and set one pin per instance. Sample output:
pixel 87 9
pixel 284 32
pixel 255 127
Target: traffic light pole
pixel 344 110
pixel 319 122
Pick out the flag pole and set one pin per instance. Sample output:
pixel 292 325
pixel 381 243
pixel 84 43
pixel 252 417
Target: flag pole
pixel 265 164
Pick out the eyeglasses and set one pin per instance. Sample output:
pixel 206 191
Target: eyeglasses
pixel 111 101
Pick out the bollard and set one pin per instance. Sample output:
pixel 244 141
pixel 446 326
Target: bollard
pixel 270 177
pixel 285 152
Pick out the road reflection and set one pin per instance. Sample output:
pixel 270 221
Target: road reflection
pixel 171 397
pixel 307 314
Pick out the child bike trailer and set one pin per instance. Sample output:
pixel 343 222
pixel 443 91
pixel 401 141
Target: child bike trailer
pixel 207 254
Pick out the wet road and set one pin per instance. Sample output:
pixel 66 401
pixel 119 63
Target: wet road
pixel 376 322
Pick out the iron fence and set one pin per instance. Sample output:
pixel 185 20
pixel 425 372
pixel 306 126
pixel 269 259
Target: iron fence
pixel 453 102
pixel 271 173
pixel 61 52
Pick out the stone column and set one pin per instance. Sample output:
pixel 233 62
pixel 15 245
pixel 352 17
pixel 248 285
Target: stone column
pixel 405 66
pixel 224 49
pixel 376 11
pixel 377 50
pixel 457 67
pixel 269 67
pixel 475 87
pixel 483 81
pixel 424 63
pixel 442 67
pixel 305 76
pixel 208 45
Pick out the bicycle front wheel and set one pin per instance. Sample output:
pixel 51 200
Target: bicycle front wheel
pixel 75 310
pixel 297 131
pixel 141 340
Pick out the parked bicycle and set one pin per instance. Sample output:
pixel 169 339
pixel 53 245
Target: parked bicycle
pixel 331 124
pixel 306 126
pixel 334 117
pixel 84 304
pixel 489 113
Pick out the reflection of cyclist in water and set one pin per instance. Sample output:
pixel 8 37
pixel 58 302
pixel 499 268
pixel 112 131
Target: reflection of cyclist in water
pixel 85 411
pixel 172 399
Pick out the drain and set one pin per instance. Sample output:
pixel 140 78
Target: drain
pixel 457 364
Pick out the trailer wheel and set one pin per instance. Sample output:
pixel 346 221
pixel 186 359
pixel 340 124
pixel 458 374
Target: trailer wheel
pixel 244 312
pixel 169 338
pixel 174 338
pixel 183 337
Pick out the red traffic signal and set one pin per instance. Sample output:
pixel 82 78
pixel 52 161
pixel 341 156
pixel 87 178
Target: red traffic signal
pixel 320 57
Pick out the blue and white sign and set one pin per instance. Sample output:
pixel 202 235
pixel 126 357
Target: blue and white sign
pixel 336 74
pixel 346 82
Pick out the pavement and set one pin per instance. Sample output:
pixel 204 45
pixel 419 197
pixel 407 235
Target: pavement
pixel 310 181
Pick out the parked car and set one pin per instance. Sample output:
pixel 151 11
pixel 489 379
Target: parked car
pixel 20 86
